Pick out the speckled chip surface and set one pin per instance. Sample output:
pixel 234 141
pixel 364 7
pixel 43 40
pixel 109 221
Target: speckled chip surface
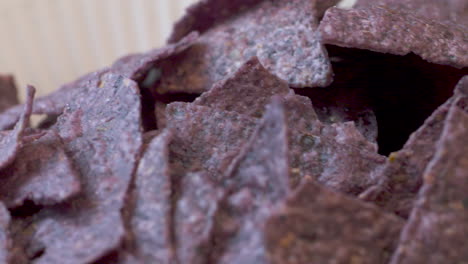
pixel 205 138
pixel 41 173
pixel 381 29
pixel 54 103
pixel 317 225
pixel 194 215
pixel 282 34
pixel 10 141
pixel 246 92
pixel 5 240
pixel 151 217
pixel 257 180
pixel 436 231
pixel 455 11
pixel 102 135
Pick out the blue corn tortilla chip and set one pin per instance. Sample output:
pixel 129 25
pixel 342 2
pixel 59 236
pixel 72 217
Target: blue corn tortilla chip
pixel 136 66
pixel 5 240
pixel 246 92
pixel 380 29
pixel 402 175
pixel 102 135
pixel 41 173
pixel 257 180
pixel 436 231
pixel 281 33
pixel 250 89
pixel 198 201
pixel 349 167
pixel 317 225
pixel 133 67
pixel 151 216
pixel 205 138
pixel 10 141
pixel 8 92
pixel 54 103
pixel 448 11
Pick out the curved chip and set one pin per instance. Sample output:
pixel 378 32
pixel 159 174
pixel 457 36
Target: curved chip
pixel 10 141
pixel 281 33
pixel 436 231
pixel 396 32
pixel 102 135
pixel 317 225
pixel 8 92
pixel 41 173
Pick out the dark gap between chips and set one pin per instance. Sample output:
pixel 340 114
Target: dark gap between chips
pixel 402 91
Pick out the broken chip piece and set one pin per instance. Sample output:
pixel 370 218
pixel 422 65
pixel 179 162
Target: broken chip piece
pixel 281 33
pixel 436 230
pixel 5 243
pixel 317 225
pixel 198 199
pixel 257 180
pixel 381 29
pixel 151 215
pixel 102 134
pixel 205 138
pixel 41 173
pixel 454 11
pixel 54 103
pixel 246 92
pixel 10 141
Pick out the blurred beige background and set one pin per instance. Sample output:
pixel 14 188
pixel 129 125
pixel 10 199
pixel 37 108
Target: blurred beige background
pixel 49 42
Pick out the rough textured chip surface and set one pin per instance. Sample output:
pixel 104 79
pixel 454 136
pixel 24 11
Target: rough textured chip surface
pixel 198 201
pixel 249 90
pixel 10 141
pixel 445 11
pixel 341 160
pixel 137 65
pixel 150 221
pixel 317 225
pixel 436 231
pixel 402 175
pixel 281 33
pixel 41 173
pixel 8 92
pixel 246 92
pixel 102 135
pixel 205 138
pixel 54 103
pixel 381 29
pixel 257 180
pixel 5 243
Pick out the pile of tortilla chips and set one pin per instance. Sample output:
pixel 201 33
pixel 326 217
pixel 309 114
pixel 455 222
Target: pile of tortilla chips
pixel 266 132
